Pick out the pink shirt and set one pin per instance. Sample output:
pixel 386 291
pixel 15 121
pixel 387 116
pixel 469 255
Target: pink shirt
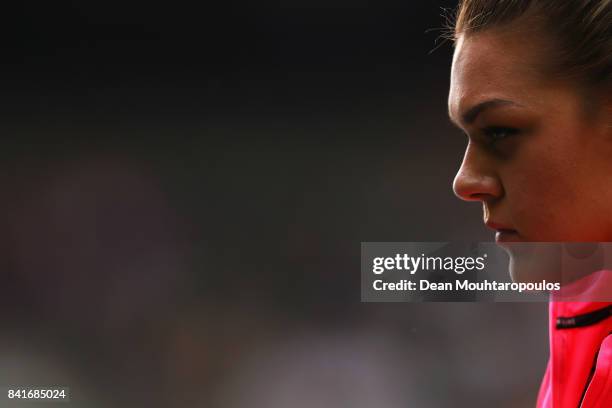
pixel 579 372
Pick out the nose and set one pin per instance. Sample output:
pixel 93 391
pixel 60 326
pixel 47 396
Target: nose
pixel 476 179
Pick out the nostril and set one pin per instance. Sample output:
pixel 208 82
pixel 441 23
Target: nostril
pixel 480 197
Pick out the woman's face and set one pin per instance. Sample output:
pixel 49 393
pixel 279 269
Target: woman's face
pixel 539 162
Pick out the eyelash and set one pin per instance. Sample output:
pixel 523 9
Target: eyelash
pixel 493 133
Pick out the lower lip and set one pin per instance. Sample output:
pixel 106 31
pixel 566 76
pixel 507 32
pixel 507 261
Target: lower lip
pixel 507 236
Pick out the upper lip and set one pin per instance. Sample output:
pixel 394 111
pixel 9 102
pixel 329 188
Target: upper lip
pixel 499 226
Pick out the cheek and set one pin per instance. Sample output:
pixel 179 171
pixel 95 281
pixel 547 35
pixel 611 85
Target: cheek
pixel 546 187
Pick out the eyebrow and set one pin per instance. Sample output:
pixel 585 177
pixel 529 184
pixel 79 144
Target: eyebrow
pixel 471 114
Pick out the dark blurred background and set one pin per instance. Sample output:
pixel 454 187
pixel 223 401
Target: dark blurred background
pixel 185 189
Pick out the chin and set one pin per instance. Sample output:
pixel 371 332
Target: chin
pixel 561 262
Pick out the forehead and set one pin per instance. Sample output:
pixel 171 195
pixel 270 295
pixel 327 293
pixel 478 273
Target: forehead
pixel 492 65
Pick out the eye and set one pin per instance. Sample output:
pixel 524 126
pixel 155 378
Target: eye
pixel 496 133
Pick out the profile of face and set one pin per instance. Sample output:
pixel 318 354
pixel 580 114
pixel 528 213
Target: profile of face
pixel 538 158
pixel 539 153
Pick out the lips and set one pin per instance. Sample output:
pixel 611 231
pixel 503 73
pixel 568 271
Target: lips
pixel 507 236
pixel 504 233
